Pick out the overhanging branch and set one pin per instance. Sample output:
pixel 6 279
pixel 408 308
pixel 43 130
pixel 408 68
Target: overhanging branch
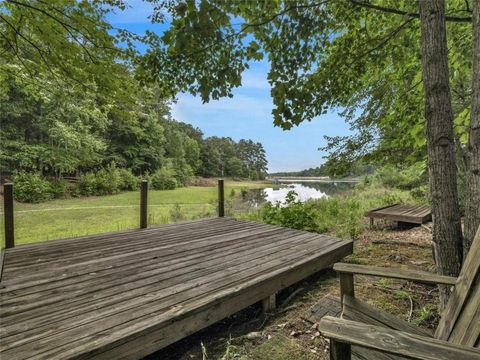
pixel 406 13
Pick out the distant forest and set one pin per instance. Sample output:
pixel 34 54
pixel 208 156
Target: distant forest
pixel 357 168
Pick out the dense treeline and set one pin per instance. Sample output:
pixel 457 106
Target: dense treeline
pixel 82 135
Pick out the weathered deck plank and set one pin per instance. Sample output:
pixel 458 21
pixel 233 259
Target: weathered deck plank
pixel 124 295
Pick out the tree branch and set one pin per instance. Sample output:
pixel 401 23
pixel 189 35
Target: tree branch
pixel 365 4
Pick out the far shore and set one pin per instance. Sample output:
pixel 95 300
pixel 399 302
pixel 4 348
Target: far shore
pixel 312 179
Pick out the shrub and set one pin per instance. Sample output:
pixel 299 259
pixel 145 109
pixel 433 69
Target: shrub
pixel 59 188
pixel 163 179
pixel 292 214
pixel 128 181
pixel 88 184
pixel 31 188
pixel 106 181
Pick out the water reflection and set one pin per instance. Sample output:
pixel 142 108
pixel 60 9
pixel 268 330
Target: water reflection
pixel 305 191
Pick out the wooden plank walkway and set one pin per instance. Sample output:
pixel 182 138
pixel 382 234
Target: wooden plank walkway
pixel 415 214
pixel 125 295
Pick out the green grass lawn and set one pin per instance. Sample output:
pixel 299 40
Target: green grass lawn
pixel 58 219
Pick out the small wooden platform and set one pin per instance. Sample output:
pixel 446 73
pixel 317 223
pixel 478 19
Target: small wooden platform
pixel 125 295
pixel 414 214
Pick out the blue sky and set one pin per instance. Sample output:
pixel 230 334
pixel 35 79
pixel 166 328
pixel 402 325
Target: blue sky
pixel 248 114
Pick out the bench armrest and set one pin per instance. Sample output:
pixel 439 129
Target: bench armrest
pixel 393 342
pixel 395 273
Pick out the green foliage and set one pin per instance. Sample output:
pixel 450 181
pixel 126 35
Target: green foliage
pixel 31 188
pixel 60 188
pixel 106 181
pixel 292 214
pixel 87 184
pixel 163 179
pixel 405 179
pixel 401 295
pixel 370 67
pixel 128 181
pixel 425 315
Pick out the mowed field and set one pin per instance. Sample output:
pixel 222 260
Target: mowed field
pixel 65 218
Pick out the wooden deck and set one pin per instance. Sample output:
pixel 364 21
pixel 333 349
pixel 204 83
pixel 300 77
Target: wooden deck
pixel 125 295
pixel 415 214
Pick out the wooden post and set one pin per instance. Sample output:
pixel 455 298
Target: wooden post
pixel 221 198
pixel 143 204
pixel 346 286
pixel 8 213
pixel 269 304
pixel 340 351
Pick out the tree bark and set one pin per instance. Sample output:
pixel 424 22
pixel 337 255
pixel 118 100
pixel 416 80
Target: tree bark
pixel 447 231
pixel 472 199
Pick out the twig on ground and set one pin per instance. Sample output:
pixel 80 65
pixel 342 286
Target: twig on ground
pixel 411 308
pixel 404 243
pixel 291 307
pixel 427 228
pixel 290 297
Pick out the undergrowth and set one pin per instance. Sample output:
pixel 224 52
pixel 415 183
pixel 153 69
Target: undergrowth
pixel 339 215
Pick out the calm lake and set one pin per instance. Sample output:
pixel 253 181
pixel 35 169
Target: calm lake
pixel 305 191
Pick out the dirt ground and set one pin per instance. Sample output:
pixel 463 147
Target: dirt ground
pixel 288 333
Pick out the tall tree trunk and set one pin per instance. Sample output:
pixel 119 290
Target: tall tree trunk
pixel 447 231
pixel 472 201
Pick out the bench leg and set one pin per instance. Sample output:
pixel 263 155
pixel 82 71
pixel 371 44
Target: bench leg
pixel 269 304
pixel 340 351
pixel 347 286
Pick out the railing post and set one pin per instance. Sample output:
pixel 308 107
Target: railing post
pixel 8 213
pixel 143 204
pixel 221 198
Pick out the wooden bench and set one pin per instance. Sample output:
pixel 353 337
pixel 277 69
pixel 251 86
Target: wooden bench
pixel 367 333
pixel 405 213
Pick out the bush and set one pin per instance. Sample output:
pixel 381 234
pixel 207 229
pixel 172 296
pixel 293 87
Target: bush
pixel 31 188
pixel 104 182
pixel 163 179
pixel 292 214
pixel 88 184
pixel 107 180
pixel 59 188
pixel 128 181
